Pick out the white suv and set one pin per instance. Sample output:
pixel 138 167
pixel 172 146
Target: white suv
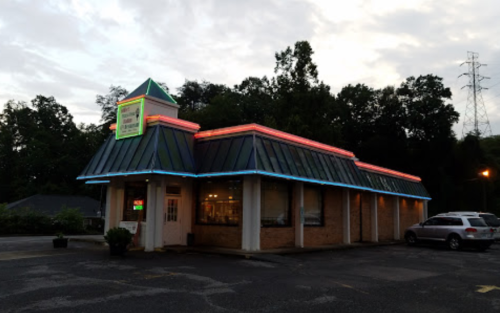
pixel 456 231
pixel 491 220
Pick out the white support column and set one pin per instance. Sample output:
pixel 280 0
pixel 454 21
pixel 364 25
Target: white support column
pixel 346 216
pixel 426 210
pixel 396 218
pixel 299 214
pixel 374 218
pixel 110 217
pixel 159 214
pixel 150 219
pixel 250 233
pixel 119 199
pixel 423 211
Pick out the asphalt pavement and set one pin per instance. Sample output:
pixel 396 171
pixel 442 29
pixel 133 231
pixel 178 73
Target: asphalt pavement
pixel 34 277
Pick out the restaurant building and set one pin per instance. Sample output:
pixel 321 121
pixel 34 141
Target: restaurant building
pixel 245 187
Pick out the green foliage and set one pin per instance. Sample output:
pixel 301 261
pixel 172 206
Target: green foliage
pixel 118 236
pixel 24 221
pixel 69 220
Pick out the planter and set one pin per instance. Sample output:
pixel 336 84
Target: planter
pixel 60 242
pixel 117 250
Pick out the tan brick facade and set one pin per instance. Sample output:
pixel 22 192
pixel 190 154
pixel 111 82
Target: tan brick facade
pixel 409 213
pixel 360 213
pixel 385 217
pixel 331 232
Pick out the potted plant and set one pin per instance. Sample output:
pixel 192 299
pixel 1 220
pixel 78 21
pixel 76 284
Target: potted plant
pixel 60 241
pixel 118 239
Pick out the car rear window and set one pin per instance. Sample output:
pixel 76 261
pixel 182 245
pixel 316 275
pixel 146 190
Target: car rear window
pixel 490 219
pixel 477 221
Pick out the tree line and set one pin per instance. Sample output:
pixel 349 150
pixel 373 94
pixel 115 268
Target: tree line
pixel 406 128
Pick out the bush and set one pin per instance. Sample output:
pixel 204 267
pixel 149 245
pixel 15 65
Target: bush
pixel 118 236
pixel 24 221
pixel 69 221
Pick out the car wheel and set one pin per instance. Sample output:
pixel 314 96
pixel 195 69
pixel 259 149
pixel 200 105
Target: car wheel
pixel 411 239
pixel 454 242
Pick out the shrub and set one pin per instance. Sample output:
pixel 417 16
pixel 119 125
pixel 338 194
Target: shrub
pixel 24 221
pixel 118 236
pixel 69 221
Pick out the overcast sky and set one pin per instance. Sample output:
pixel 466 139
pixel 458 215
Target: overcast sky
pixel 74 50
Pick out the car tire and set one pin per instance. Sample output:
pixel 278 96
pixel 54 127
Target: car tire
pixel 454 242
pixel 411 239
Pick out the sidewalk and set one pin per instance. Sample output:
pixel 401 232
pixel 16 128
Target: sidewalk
pixel 265 255
pixel 97 239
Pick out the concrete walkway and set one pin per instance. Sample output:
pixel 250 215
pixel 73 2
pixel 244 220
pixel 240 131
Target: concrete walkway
pixel 271 255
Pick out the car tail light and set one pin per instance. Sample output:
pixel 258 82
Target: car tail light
pixel 492 230
pixel 471 230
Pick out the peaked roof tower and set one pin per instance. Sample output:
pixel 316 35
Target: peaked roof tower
pixel 152 89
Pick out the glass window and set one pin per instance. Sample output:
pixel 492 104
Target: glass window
pixel 275 203
pixel 432 222
pixel 135 192
pixel 490 219
pixel 313 206
pixel 219 202
pixel 477 221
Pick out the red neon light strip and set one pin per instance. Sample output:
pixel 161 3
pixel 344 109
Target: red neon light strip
pixel 273 132
pixel 112 127
pixel 131 99
pixel 172 120
pixel 386 170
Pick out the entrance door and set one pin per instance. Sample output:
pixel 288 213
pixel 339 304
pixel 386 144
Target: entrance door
pixel 172 230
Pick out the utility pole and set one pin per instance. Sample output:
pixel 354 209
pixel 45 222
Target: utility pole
pixel 475 119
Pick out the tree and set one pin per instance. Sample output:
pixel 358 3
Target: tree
pixel 302 105
pixel 108 104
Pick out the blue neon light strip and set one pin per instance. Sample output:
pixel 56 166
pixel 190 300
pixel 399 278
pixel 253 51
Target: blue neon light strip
pixel 90 182
pixel 307 180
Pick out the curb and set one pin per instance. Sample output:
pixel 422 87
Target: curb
pixel 89 240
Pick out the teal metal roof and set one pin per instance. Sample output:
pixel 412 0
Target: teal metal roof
pixel 152 89
pixel 391 184
pixel 161 150
pixel 170 151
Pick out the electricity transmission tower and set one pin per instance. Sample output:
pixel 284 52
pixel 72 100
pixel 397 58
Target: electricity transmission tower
pixel 475 119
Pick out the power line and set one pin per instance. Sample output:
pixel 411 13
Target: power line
pixel 475 119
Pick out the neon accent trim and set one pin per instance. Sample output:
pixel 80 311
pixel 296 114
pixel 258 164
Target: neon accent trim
pixel 172 120
pixel 311 181
pixel 90 182
pixel 308 180
pixel 131 99
pixel 386 171
pixel 141 119
pixel 113 126
pixel 272 132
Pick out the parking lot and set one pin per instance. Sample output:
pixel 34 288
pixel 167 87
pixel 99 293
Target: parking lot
pixel 396 278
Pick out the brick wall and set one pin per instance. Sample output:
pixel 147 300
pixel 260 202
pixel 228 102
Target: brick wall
pixel 277 237
pixel 218 236
pixel 385 215
pixel 356 216
pixel 331 232
pixel 409 213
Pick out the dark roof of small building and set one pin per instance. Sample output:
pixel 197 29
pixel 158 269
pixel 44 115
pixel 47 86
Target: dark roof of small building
pixel 160 150
pixel 152 89
pixel 52 204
